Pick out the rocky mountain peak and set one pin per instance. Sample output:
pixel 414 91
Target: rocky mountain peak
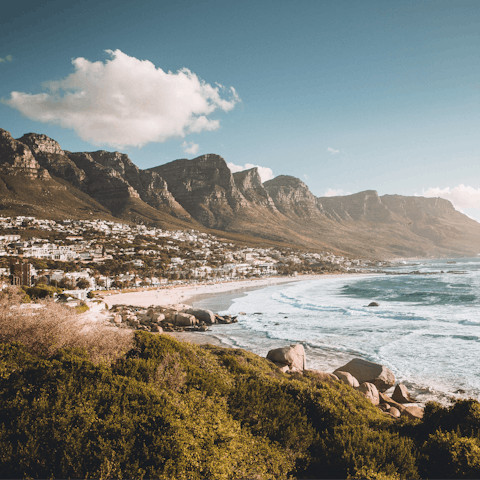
pixel 204 187
pixel 17 159
pixel 250 185
pixel 41 144
pixel 292 196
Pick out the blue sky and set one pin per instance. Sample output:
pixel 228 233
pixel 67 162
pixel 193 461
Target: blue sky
pixel 345 95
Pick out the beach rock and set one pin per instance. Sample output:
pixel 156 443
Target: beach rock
pixel 156 329
pixel 158 317
pixel 117 318
pixel 222 320
pixel 395 412
pixel 393 404
pixel 202 314
pixel 369 390
pixel 384 407
pixel 401 395
pixel 293 356
pixel 184 320
pixel 413 413
pixel 373 304
pixel 365 371
pixel 323 376
pixel 347 378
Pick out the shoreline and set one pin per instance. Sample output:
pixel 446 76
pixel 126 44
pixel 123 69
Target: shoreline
pixel 216 297
pixel 189 294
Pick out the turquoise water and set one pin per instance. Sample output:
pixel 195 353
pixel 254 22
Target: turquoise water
pixel 426 328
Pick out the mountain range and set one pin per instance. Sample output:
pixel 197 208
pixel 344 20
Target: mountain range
pixel 39 178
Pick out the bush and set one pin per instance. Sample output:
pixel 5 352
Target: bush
pixel 50 327
pixel 42 291
pixel 449 455
pixel 173 410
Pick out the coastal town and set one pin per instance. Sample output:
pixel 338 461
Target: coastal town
pixel 104 255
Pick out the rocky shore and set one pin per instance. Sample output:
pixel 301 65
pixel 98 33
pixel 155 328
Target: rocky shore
pixel 372 380
pixel 170 318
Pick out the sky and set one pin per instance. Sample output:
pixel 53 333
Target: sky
pixel 345 95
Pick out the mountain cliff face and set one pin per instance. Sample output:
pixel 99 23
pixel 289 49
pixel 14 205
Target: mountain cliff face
pixel 250 185
pixel 205 188
pixel 363 206
pixel 38 177
pixel 151 187
pixel 292 197
pixel 17 159
pixel 49 155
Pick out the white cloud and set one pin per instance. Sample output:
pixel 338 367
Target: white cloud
pixel 8 58
pixel 461 196
pixel 264 172
pixel 331 192
pixel 190 147
pixel 332 150
pixel 126 101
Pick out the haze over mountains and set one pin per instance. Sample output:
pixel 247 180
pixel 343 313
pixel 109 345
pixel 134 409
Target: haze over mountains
pixel 39 178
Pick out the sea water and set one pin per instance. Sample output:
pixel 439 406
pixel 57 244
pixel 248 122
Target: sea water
pixel 426 328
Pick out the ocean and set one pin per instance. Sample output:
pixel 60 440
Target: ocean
pixel 426 328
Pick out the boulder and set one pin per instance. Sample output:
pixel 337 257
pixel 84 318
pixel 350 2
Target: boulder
pixel 395 412
pixel 373 304
pixel 365 371
pixel 347 378
pixel 323 376
pixel 369 390
pixel 159 317
pixel 292 356
pixel 202 314
pixel 184 320
pixel 413 413
pixel 401 395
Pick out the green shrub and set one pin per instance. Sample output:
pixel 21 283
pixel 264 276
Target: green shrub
pixel 449 455
pixel 42 291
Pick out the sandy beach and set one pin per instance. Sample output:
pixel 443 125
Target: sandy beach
pixel 189 294
pixel 216 297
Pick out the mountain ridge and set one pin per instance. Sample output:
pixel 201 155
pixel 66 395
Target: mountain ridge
pixel 203 193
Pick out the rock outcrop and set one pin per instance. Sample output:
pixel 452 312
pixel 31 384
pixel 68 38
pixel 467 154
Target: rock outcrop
pixel 17 159
pixel 292 197
pixel 50 156
pixel 149 185
pixel 370 391
pixel 347 378
pixel 205 188
pixel 290 358
pixel 250 185
pixel 365 371
pixel 401 395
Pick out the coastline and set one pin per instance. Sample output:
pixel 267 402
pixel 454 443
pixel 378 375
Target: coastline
pixel 191 294
pixel 216 297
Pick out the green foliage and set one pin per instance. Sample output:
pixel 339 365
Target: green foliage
pixel 42 291
pixel 174 410
pixel 449 455
pixel 82 308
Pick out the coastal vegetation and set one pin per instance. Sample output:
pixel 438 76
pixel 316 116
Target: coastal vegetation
pixel 101 402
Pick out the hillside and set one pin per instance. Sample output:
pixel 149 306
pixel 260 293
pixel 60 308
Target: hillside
pixel 38 177
pixel 103 403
